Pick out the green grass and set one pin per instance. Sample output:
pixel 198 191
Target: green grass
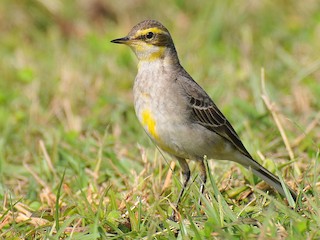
pixel 74 161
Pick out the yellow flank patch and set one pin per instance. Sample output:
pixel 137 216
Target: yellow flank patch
pixel 149 123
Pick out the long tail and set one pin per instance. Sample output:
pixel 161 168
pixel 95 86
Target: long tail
pixel 269 178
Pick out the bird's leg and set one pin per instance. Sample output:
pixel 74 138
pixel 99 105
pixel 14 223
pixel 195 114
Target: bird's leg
pixel 186 176
pixel 203 178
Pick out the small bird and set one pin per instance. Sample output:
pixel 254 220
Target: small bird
pixel 177 113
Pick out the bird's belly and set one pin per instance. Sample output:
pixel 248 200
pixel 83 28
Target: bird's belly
pixel 161 129
pixel 157 111
pixel 184 139
pixel 167 121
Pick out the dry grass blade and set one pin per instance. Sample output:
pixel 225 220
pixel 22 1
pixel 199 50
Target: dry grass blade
pixel 310 127
pixel 272 108
pixel 168 177
pixel 46 156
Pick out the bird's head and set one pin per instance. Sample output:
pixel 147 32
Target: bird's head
pixel 149 40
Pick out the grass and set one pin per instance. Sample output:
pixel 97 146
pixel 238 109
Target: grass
pixel 74 162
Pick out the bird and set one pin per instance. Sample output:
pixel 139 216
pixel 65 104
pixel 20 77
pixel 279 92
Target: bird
pixel 177 113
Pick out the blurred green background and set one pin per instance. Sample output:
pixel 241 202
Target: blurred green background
pixel 66 101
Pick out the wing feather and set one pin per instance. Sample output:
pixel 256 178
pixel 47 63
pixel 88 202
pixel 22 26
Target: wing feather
pixel 207 114
pixel 212 119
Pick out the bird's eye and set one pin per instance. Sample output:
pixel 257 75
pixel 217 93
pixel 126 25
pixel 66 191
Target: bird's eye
pixel 149 35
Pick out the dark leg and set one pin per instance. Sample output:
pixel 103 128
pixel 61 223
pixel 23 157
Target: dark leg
pixel 203 178
pixel 186 176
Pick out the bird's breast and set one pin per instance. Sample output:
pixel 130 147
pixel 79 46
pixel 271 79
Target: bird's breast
pixel 154 105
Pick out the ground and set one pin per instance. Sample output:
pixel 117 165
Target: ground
pixel 76 164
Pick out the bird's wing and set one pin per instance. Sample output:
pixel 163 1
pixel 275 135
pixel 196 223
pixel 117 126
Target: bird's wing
pixel 207 114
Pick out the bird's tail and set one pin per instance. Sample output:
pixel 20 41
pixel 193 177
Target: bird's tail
pixel 269 178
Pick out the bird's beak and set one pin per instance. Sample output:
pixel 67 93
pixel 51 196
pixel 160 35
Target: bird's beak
pixel 124 40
